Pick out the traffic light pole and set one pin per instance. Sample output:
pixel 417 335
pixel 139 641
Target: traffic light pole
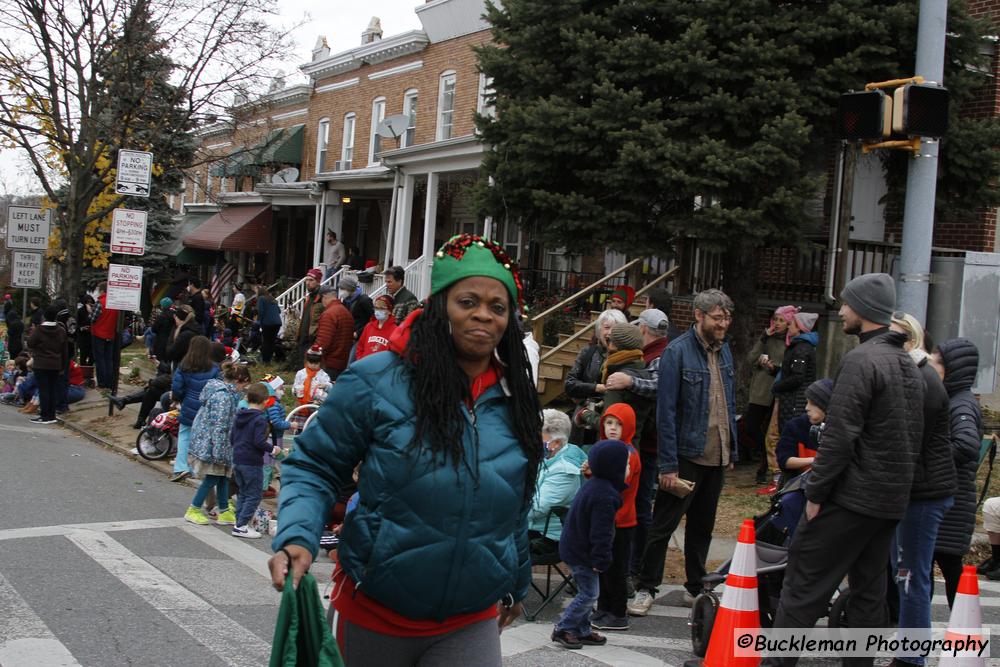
pixel 921 179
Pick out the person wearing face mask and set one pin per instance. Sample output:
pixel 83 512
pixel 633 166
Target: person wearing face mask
pixel 356 301
pixel 559 476
pixel 376 334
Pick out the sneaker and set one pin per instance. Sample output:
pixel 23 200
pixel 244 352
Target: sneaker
pixel 688 599
pixel 227 518
pixel 767 490
pixel 761 478
pixel 195 515
pixel 640 604
pixel 43 422
pixel 245 532
pixel 566 638
pixel 180 476
pixel 609 622
pixel 987 566
pixel 593 639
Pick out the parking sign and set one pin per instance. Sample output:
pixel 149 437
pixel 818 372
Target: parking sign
pixel 135 173
pixel 124 287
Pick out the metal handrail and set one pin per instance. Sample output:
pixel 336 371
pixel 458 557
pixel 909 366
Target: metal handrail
pixel 536 320
pixel 653 283
pixel 407 271
pixel 299 290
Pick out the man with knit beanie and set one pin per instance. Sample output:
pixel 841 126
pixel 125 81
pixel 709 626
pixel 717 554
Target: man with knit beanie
pixel 860 484
pixel 312 308
pixel 696 424
pixel 624 356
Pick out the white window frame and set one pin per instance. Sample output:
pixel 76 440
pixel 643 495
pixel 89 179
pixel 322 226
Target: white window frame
pixel 197 183
pixel 322 144
pixel 180 208
pixel 208 184
pixel 171 200
pixel 223 180
pixel 411 100
pixel 446 114
pixel 347 147
pixel 484 108
pixel 374 143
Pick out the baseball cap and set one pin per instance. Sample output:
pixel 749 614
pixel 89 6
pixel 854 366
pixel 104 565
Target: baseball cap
pixel 655 319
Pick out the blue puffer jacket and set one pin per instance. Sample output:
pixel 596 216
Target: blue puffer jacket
pixel 186 388
pixel 682 400
pixel 427 540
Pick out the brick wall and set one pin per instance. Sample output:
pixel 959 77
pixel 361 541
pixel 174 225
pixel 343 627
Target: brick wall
pixel 454 54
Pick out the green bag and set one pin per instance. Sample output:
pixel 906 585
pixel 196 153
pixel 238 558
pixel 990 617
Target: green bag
pixel 301 635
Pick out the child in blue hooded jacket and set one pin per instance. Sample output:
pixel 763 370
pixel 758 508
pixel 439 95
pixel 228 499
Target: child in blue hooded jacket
pixel 587 537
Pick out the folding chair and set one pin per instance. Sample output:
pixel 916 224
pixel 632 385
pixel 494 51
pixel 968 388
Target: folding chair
pixel 545 551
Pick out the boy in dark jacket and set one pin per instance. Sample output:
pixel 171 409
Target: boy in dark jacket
pixel 798 444
pixel 250 443
pixel 47 343
pixel 586 542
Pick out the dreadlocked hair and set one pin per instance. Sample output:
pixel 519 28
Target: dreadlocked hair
pixel 439 388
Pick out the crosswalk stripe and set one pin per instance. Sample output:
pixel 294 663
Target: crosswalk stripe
pixel 102 527
pixel 228 640
pixel 25 640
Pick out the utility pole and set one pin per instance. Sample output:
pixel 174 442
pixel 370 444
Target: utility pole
pixel 921 178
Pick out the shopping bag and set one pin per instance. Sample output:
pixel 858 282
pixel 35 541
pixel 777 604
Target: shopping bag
pixel 301 635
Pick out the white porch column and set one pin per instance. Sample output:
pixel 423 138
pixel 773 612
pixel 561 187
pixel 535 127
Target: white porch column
pixel 430 223
pixel 318 229
pixel 404 220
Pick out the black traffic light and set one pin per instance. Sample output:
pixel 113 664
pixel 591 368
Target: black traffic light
pixel 864 116
pixel 920 110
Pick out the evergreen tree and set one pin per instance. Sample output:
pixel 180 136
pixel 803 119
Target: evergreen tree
pixel 635 124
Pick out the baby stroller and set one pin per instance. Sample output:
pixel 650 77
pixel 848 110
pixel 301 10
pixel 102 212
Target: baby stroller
pixel 773 533
pixel 158 439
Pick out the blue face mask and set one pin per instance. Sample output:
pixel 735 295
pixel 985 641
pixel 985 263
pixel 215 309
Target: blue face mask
pixel 381 315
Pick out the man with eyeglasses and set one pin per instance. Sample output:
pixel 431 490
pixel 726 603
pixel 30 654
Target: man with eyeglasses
pixel 696 444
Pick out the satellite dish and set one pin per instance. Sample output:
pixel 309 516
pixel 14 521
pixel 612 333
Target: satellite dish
pixel 393 127
pixel 287 175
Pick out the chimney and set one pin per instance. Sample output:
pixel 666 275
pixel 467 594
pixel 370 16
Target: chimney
pixel 322 49
pixel 373 32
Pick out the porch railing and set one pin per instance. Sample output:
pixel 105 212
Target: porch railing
pixel 413 278
pixel 294 295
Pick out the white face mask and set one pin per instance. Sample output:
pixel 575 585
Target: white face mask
pixel 381 315
pixel 344 294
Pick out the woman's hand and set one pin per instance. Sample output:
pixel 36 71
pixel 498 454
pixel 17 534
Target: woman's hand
pixel 507 615
pixel 301 559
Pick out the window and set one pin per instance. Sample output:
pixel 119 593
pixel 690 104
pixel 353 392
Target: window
pixel 322 143
pixel 446 106
pixel 223 180
pixel 375 141
pixel 485 106
pixel 410 111
pixel 347 153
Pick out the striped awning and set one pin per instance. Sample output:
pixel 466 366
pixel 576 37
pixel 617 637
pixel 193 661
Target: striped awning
pixel 236 228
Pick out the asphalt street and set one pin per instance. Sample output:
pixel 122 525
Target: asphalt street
pixel 97 568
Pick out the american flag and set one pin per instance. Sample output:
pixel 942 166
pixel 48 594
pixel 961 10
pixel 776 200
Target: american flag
pixel 223 275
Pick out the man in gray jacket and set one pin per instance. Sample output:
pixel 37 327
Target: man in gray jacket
pixel 860 483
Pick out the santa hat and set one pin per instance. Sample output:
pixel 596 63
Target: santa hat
pixel 315 274
pixel 232 354
pixel 314 353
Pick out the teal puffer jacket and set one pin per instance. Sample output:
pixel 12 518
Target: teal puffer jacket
pixel 427 540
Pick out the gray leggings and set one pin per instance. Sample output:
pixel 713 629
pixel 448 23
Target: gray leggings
pixel 477 644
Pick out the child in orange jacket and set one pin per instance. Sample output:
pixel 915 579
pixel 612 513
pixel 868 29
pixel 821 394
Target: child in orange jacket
pixel 618 423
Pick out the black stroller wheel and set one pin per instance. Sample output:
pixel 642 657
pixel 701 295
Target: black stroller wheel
pixel 702 621
pixel 838 610
pixel 154 444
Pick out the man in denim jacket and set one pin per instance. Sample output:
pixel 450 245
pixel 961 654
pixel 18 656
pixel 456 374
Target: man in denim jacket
pixel 696 420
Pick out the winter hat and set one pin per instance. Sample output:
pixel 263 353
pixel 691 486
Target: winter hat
pixel 166 302
pixel 819 392
pixel 625 293
pixel 655 319
pixel 626 337
pixel 806 321
pixel 386 300
pixel 872 296
pixel 786 313
pixel 314 353
pixel 316 274
pixel 608 460
pixel 349 283
pixel 467 255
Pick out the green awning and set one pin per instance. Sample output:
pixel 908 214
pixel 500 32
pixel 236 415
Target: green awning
pixel 287 148
pixel 245 160
pixel 196 256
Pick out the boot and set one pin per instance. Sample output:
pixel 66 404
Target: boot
pixel 121 401
pixel 30 408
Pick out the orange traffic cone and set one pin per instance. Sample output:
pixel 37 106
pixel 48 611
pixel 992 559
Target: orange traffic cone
pixel 738 608
pixel 965 622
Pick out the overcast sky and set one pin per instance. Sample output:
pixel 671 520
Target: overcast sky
pixel 341 21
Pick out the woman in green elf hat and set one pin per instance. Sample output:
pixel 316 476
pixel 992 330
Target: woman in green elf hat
pixel 448 426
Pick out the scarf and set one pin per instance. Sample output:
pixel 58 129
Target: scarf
pixel 619 358
pixel 307 387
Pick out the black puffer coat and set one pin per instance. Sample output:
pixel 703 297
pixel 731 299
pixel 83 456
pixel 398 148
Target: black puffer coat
pixel 798 371
pixel 583 378
pixel 874 430
pixel 934 476
pixel 961 362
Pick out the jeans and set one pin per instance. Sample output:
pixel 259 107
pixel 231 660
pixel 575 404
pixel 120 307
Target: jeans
pixel 643 509
pixel 218 482
pixel 48 393
pixel 915 537
pixel 576 617
pixel 248 479
pixel 28 388
pixel 75 393
pixel 104 363
pixel 183 441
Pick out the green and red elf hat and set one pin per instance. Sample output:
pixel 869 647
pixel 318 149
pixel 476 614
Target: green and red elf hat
pixel 468 255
